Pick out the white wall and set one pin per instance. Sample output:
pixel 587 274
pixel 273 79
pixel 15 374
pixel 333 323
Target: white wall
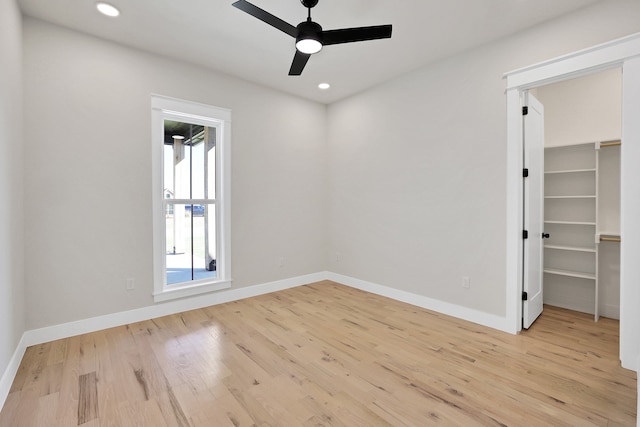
pixel 586 109
pixel 88 174
pixel 11 247
pixel 417 165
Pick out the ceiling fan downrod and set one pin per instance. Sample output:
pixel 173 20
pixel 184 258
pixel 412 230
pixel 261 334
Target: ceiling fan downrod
pixel 309 4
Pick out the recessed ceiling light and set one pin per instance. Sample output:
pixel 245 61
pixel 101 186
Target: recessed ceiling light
pixel 107 9
pixel 324 86
pixel 178 137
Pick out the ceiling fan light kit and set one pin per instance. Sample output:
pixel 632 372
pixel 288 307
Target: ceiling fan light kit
pixel 310 38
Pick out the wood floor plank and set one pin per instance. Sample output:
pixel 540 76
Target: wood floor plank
pixel 326 355
pixel 88 398
pixel 225 410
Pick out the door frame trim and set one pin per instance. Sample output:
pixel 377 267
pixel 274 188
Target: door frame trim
pixel 613 54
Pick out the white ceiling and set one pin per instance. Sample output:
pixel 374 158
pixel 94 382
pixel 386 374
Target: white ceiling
pixel 213 34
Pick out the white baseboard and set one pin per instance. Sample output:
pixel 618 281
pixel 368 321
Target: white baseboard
pixel 11 371
pixel 65 330
pixel 468 314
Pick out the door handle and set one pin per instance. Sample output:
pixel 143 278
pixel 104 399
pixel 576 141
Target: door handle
pixel 545 235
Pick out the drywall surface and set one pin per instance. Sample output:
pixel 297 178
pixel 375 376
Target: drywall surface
pixel 88 174
pixel 417 169
pixel 11 247
pixel 586 109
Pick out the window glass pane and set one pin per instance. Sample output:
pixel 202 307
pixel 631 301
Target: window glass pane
pixel 176 161
pixel 198 170
pixel 178 248
pixel 190 242
pixel 204 238
pixel 210 157
pixel 203 164
pixel 187 166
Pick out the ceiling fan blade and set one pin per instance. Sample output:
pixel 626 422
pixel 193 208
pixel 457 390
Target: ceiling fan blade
pixel 265 16
pixel 299 61
pixel 348 35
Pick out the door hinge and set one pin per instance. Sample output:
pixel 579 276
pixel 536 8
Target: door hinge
pixel 525 234
pixel 525 172
pixel 525 297
pixel 525 110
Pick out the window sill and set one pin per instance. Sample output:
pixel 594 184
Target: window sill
pixel 190 290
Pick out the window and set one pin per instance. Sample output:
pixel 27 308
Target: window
pixel 190 152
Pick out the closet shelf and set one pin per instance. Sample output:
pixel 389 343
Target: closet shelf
pixel 570 223
pixel 570 146
pixel 571 197
pixel 570 248
pixel 569 171
pixel 568 273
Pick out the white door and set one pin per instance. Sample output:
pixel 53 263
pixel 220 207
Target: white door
pixel 533 127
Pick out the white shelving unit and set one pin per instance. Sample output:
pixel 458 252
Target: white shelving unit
pixel 577 218
pixel 571 218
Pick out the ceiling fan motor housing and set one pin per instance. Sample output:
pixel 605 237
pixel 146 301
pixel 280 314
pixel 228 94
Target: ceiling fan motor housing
pixel 309 30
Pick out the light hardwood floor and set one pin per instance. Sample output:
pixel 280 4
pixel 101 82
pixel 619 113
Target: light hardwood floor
pixel 326 355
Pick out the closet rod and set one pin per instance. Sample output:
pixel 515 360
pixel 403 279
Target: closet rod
pixel 610 239
pixel 610 143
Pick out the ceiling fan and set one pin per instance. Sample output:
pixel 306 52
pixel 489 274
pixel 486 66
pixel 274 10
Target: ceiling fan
pixel 309 35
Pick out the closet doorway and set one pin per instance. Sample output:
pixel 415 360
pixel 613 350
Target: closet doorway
pixel 583 133
pixel 620 53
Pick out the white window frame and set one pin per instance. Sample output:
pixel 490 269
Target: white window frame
pixel 165 108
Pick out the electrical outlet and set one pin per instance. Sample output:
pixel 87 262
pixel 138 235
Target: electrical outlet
pixel 281 262
pixel 466 282
pixel 131 284
pixel 338 256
